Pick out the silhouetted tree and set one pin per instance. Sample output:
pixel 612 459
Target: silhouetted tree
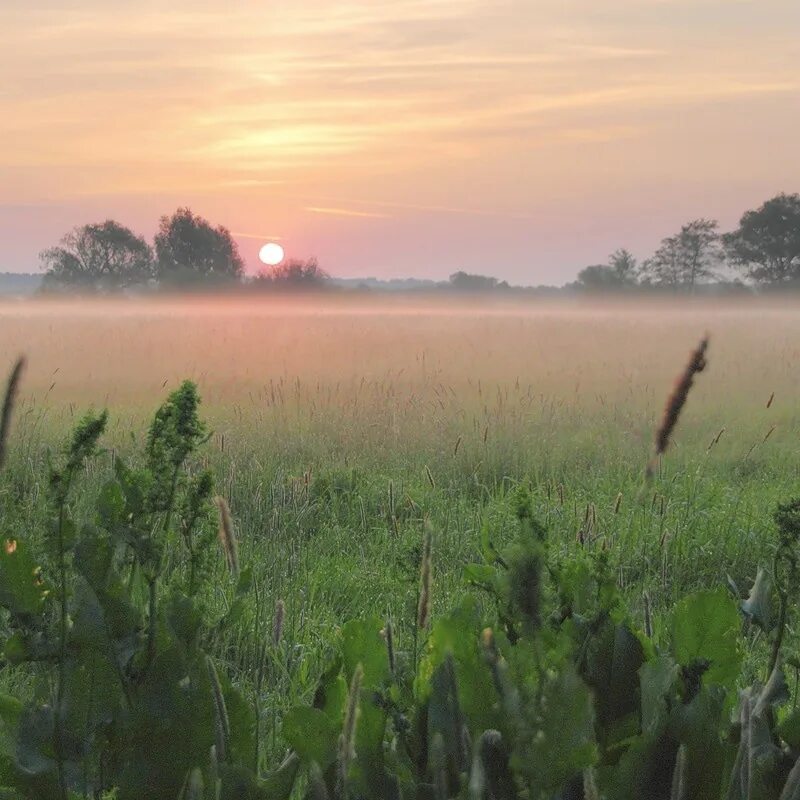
pixel 597 278
pixel 293 274
pixel 625 266
pixel 688 257
pixel 619 273
pixel 190 250
pixel 766 245
pixel 466 282
pixel 664 267
pixel 103 256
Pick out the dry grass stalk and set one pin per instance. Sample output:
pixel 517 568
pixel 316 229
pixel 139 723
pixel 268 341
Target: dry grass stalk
pixel 677 400
pixel 348 735
pixel 363 511
pixel 429 475
pixel 715 440
pixel 12 388
pixel 277 624
pixel 222 726
pixel 771 398
pixel 756 444
pixel 388 633
pixel 227 536
pixel 425 582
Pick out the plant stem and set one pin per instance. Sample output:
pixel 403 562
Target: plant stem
pixel 784 602
pixel 152 579
pixel 62 649
pixel 776 645
pixel 151 624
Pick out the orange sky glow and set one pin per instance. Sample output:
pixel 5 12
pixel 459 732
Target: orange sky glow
pixel 404 138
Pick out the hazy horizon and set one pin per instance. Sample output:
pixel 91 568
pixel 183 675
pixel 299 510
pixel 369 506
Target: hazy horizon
pixel 410 139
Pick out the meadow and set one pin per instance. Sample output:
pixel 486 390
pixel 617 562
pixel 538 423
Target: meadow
pixel 340 428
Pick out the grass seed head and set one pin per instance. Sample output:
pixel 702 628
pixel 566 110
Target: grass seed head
pixel 677 400
pixel 227 536
pixel 12 388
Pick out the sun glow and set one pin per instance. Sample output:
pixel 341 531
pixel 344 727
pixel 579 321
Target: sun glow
pixel 271 254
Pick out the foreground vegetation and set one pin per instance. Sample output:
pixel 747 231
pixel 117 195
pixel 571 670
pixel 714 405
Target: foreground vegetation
pixel 540 527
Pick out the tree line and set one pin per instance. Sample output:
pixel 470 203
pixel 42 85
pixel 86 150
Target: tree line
pixel 764 249
pixel 188 251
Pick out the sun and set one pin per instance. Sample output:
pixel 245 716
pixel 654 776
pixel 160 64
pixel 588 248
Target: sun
pixel 271 254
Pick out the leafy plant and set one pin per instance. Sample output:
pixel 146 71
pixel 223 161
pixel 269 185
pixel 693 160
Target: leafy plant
pixel 124 695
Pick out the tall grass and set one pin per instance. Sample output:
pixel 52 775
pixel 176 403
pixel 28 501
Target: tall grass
pixel 338 431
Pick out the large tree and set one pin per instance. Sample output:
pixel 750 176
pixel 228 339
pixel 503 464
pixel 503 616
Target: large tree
pixel 106 255
pixel 624 266
pixel 687 258
pixel 664 268
pixel 766 245
pixel 189 249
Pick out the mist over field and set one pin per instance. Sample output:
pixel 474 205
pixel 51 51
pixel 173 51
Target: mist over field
pixel 572 354
pixel 457 400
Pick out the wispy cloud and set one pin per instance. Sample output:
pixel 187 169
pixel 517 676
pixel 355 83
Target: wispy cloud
pixel 345 212
pixel 478 212
pixel 265 237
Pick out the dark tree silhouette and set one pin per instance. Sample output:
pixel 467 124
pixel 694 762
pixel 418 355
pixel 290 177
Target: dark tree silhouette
pixel 190 250
pixel 466 282
pixel 103 256
pixel 620 272
pixel 625 266
pixel 687 258
pixel 766 245
pixel 293 274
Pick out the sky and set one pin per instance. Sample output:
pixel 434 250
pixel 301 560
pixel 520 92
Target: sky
pixel 519 138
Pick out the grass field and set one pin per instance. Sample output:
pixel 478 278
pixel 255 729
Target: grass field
pixel 339 426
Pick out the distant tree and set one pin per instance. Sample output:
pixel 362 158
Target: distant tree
pixel 598 278
pixel 293 274
pixel 766 245
pixel 687 258
pixel 106 256
pixel 625 266
pixel 467 282
pixel 619 273
pixel 664 267
pixel 190 250
pixel 700 249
